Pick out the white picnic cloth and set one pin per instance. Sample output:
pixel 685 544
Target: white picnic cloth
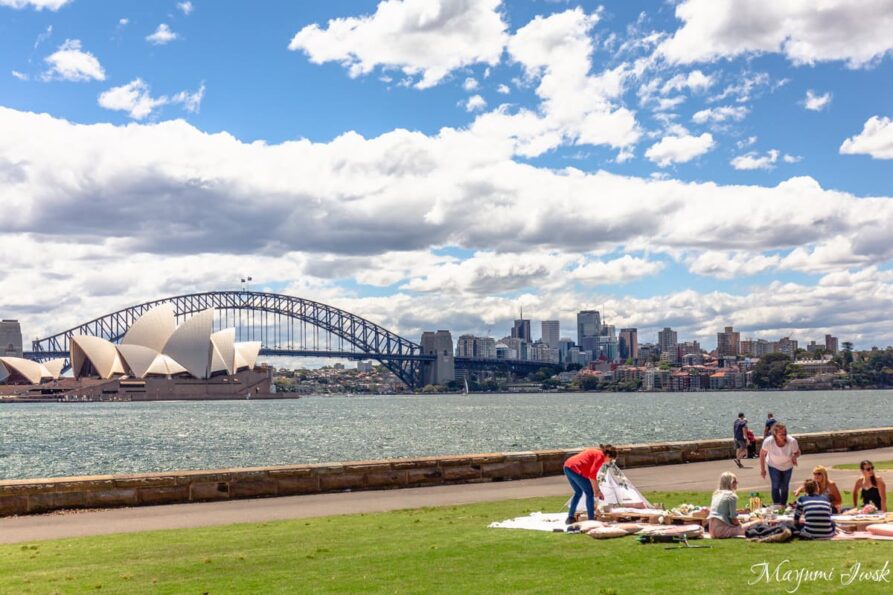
pixel 552 522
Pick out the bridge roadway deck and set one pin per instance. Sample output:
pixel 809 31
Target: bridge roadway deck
pixel 693 476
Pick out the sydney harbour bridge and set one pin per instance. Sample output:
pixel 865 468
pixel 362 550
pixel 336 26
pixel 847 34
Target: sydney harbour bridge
pixel 286 326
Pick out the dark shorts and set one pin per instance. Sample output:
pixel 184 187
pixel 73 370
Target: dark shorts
pixel 739 444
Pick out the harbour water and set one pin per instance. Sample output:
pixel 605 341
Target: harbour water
pixel 49 440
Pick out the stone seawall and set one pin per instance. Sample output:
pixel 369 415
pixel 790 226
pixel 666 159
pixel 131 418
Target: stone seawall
pixel 29 496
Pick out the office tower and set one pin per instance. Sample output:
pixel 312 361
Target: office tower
pixel 629 344
pixel 666 341
pixel 10 338
pixel 551 329
pixel 831 344
pixel 589 328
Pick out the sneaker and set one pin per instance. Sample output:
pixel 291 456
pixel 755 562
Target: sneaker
pixel 738 462
pixel 570 520
pixel 779 537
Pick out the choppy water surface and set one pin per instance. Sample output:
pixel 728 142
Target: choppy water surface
pixel 45 440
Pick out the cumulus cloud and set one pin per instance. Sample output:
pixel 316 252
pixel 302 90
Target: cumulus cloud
pixel 679 149
pixel 185 7
pixel 191 102
pixel 470 84
pixel 815 102
pixel 731 264
pixel 805 32
pixel 423 38
pixel 71 63
pixel 695 80
pixel 754 160
pixel 475 103
pixel 19 75
pixel 720 114
pixel 876 139
pixel 134 98
pixel 162 35
pixel 52 5
pixel 503 89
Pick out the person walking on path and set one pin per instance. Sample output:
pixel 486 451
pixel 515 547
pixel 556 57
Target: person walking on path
pixel 739 431
pixel 779 453
pixel 770 421
pixel 581 471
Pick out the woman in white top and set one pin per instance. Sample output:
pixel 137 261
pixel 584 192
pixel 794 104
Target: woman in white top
pixel 780 453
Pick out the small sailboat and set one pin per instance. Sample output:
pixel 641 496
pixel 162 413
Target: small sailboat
pixel 466 386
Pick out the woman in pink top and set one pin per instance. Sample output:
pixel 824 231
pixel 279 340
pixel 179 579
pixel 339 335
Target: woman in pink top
pixel 581 471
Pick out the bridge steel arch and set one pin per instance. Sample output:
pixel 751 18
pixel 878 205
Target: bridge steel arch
pixel 401 356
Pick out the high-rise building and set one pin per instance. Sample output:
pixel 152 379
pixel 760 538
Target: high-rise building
pixel 728 343
pixel 551 332
pixel 785 345
pixel 629 344
pixel 666 342
pixel 589 328
pixel 607 344
pixel 10 338
pixel 521 330
pixel 831 343
pixel 564 345
pixel 476 347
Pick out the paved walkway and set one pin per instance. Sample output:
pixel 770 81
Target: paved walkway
pixel 690 477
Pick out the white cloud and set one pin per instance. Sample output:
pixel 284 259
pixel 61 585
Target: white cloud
pixel 876 139
pixel 720 114
pixel 133 98
pixel 470 84
pixel 191 102
pixel 753 160
pixel 815 102
pixel 695 80
pixel 475 103
pixel 748 87
pixel 71 63
pixel 503 89
pixel 791 158
pixel 19 75
pixel 163 35
pixel 805 32
pixel 52 5
pixel 185 7
pixel 746 142
pixel 423 38
pixel 43 36
pixel 612 272
pixel 123 22
pixel 679 149
pixel 730 265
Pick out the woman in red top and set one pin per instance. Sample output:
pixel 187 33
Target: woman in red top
pixel 581 471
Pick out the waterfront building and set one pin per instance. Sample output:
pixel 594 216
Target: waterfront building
pixel 10 338
pixel 503 351
pixel 785 345
pixel 628 344
pixel 551 332
pixel 812 367
pixel 755 347
pixel 831 344
pixel 666 342
pixel 589 329
pixel 543 352
pixel 365 367
pixel 728 343
pixel 476 347
pixel 648 352
pixel 518 346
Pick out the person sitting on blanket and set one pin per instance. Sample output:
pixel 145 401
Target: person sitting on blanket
pixel 722 522
pixel 871 487
pixel 827 488
pixel 812 514
pixel 582 472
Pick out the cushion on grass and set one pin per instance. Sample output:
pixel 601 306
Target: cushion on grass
pixel 885 529
pixel 586 526
pixel 606 533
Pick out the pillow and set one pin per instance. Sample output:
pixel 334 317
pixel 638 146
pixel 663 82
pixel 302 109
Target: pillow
pixel 885 529
pixel 585 526
pixel 630 528
pixel 606 533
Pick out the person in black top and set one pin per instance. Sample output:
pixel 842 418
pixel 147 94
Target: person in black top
pixel 872 488
pixel 739 431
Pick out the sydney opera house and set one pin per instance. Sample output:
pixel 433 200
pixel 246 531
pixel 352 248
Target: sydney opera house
pixel 156 359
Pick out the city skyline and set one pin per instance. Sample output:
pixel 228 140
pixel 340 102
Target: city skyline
pixel 657 162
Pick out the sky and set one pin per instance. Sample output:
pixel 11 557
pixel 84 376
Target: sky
pixel 444 163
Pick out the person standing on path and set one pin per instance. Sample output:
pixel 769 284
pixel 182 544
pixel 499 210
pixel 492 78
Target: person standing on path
pixel 780 453
pixel 739 431
pixel 581 471
pixel 770 421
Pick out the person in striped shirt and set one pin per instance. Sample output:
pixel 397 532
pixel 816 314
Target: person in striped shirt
pixel 812 514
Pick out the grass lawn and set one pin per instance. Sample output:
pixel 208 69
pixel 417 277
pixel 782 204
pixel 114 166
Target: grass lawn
pixel 434 550
pixel 877 465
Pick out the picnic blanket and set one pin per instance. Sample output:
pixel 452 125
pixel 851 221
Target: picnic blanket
pixel 553 522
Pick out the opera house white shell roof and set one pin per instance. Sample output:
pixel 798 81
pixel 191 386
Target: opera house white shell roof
pixel 155 346
pixel 31 371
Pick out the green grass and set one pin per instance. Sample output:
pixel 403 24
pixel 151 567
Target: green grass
pixel 877 465
pixel 434 550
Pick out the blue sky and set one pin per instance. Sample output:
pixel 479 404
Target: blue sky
pixel 442 163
